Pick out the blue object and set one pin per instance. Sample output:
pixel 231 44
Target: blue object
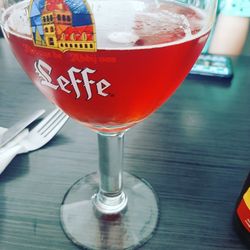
pixel 235 7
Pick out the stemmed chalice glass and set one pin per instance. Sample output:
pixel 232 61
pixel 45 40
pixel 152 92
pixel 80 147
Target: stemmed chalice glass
pixel 108 64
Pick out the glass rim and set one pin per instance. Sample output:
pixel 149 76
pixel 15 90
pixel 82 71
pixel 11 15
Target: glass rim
pixel 207 27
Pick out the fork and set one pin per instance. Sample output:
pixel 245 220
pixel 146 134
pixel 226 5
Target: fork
pixel 41 134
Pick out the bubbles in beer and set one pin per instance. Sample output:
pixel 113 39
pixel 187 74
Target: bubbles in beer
pixel 166 23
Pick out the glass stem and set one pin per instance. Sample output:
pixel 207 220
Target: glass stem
pixel 110 199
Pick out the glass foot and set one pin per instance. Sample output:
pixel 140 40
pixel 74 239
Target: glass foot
pixel 127 230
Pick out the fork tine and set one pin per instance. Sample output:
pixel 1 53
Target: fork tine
pixel 51 122
pixel 56 126
pixel 47 120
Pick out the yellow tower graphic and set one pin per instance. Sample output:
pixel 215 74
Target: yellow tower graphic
pixel 57 30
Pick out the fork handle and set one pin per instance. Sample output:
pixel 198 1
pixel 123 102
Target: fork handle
pixel 8 155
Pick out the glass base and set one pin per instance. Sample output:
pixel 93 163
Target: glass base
pixel 89 229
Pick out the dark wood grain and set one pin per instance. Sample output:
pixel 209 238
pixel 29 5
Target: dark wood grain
pixel 195 151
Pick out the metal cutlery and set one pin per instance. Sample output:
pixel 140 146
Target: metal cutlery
pixel 41 134
pixel 14 130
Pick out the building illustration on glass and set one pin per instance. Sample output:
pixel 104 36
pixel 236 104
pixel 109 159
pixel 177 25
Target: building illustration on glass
pixel 62 24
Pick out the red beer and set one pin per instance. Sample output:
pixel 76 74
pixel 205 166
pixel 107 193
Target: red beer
pixel 114 87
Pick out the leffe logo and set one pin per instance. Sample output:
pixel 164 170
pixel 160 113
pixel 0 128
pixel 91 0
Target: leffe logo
pixel 70 85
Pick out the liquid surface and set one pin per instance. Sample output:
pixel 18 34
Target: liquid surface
pixel 140 23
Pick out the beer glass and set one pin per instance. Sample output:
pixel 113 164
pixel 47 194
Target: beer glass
pixel 108 64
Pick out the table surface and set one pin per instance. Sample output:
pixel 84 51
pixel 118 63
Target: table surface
pixel 195 152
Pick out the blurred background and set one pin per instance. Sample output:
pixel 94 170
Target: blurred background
pixel 246 49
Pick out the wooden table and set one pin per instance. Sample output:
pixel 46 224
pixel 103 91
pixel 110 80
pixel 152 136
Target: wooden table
pixel 195 151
